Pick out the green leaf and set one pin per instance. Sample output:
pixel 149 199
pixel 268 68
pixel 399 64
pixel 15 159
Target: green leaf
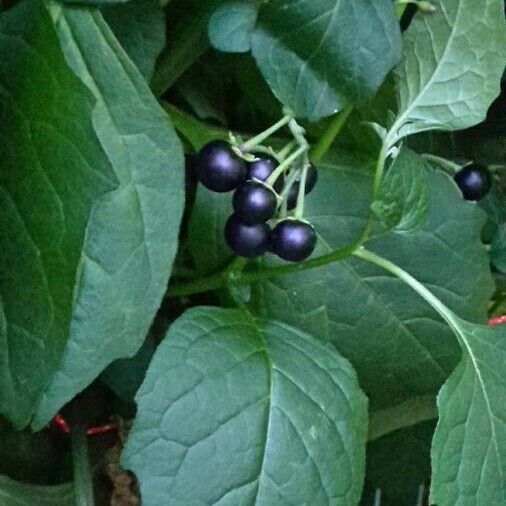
pixel 403 199
pixel 238 410
pixel 451 67
pixel 231 25
pixel 206 241
pixel 53 173
pixel 469 445
pixel 132 234
pixel 186 42
pixel 14 493
pixel 139 26
pixel 193 130
pixel 410 351
pixel 411 412
pixel 320 55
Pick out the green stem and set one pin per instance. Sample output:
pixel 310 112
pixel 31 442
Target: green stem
pixel 442 162
pixel 258 139
pixel 220 279
pixel 299 209
pixel 326 140
pixel 284 165
pixel 380 167
pixel 83 482
pixel 426 294
pixel 283 153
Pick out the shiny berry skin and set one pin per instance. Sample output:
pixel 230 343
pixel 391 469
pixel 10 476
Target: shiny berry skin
pixel 311 180
pixel 246 240
pixel 254 202
pixel 219 168
pixel 293 240
pixel 262 168
pixel 474 181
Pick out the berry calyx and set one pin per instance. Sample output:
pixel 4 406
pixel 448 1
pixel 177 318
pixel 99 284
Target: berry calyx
pixel 293 240
pixel 219 168
pixel 474 181
pixel 263 167
pixel 293 192
pixel 246 240
pixel 254 202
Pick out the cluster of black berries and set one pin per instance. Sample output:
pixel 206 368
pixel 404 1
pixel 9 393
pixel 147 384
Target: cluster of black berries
pixel 256 202
pixel 474 181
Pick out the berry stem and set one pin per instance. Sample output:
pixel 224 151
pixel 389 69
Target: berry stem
pixel 284 165
pixel 294 174
pixel 299 208
pixel 258 139
pixel 283 153
pixel 448 165
pixel 326 140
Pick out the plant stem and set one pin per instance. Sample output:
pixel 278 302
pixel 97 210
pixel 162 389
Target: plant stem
pixel 426 294
pixel 380 167
pixel 325 141
pixel 258 139
pixel 282 153
pixel 299 209
pixel 442 162
pixel 284 165
pixel 83 483
pixel 220 279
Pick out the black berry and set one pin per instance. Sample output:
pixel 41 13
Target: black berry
pixel 254 202
pixel 246 240
pixel 219 168
pixel 293 240
pixel 311 180
pixel 474 181
pixel 262 168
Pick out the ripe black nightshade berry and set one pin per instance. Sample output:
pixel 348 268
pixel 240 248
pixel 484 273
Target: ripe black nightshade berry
pixel 262 168
pixel 293 240
pixel 246 240
pixel 293 192
pixel 219 168
pixel 254 202
pixel 474 181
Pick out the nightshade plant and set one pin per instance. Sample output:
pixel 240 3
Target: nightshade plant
pixel 264 240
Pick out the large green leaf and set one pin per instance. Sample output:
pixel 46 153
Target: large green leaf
pixel 320 55
pixel 451 67
pixel 238 410
pixel 469 446
pixel 53 173
pixel 403 198
pixel 410 351
pixel 14 493
pixel 139 26
pixel 132 235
